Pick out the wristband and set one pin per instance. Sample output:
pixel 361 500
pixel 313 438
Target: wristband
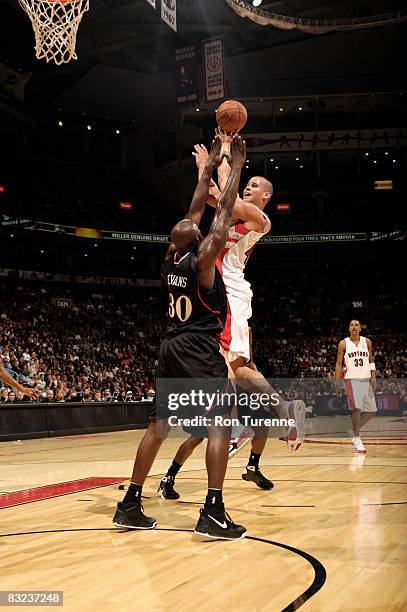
pixel 372 367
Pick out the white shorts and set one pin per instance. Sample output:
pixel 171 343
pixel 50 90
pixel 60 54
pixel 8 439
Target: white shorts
pixel 235 338
pixel 360 394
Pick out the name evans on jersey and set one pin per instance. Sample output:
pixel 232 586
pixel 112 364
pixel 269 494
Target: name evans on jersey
pixel 177 281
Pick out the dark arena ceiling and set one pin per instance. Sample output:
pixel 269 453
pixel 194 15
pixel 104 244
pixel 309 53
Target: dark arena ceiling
pixel 122 87
pixel 126 55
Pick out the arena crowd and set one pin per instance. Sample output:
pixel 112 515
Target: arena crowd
pixel 97 343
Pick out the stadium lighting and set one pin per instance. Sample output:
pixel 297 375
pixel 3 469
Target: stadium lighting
pixel 257 2
pixel 126 205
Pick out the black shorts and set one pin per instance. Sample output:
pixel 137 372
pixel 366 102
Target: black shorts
pixel 191 355
pixel 185 357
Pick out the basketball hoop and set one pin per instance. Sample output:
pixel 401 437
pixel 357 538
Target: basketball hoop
pixel 55 24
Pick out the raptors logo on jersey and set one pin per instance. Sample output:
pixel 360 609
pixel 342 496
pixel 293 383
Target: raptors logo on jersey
pixel 356 359
pixel 233 259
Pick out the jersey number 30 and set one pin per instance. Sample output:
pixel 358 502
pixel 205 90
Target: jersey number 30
pixel 182 307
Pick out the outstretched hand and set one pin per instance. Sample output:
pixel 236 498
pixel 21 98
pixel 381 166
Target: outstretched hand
pixel 201 155
pixel 32 394
pixel 225 137
pixel 215 156
pixel 237 156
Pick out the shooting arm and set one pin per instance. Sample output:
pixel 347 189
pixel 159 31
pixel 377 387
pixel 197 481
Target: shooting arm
pixel 242 210
pixel 200 196
pixel 213 244
pixel 223 174
pixel 201 157
pixel 249 212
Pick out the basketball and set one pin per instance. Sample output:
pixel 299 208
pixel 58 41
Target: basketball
pixel 231 116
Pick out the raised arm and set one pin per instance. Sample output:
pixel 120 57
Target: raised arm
pixel 197 207
pixel 200 196
pixel 224 169
pixel 201 155
pixel 339 363
pixel 243 211
pixel 215 241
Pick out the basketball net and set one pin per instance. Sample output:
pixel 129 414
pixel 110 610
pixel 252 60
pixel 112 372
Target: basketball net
pixel 55 24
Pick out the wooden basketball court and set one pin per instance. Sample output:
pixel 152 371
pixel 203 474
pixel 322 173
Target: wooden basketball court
pixel 329 536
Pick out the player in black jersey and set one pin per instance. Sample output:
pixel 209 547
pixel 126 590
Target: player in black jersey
pixel 197 313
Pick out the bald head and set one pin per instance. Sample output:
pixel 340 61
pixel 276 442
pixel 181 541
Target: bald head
pixel 266 184
pixel 185 235
pixel 258 191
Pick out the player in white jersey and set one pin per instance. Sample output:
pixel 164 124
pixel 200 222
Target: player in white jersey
pixel 355 364
pixel 249 224
pixel 243 236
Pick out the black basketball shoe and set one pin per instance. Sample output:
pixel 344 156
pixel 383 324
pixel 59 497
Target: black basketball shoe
pixel 166 488
pixel 131 516
pixel 218 524
pixel 254 475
